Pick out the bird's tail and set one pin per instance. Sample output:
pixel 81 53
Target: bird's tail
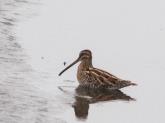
pixel 125 83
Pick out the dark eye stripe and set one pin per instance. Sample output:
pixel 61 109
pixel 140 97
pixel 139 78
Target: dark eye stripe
pixel 86 52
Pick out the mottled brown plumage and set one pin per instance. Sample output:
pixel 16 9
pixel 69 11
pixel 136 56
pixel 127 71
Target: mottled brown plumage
pixel 91 77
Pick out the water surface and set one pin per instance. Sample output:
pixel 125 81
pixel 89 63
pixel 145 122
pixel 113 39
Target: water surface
pixel 37 37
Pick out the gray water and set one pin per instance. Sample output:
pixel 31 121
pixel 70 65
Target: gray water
pixel 37 37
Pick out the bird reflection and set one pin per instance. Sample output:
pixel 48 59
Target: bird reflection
pixel 85 96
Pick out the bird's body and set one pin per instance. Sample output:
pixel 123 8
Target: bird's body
pixel 91 77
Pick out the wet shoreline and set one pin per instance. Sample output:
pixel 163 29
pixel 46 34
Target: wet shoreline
pixel 20 101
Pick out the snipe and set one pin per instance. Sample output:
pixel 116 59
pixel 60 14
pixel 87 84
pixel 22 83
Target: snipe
pixel 91 77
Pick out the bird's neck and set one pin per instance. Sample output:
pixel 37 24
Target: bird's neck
pixel 85 64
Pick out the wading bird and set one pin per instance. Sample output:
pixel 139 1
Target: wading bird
pixel 91 77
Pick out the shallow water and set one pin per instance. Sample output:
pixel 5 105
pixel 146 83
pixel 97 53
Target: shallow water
pixel 37 37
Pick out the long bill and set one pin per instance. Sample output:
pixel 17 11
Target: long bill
pixel 68 67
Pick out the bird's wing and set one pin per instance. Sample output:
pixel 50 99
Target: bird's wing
pixel 100 77
pixel 105 75
pixel 111 79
